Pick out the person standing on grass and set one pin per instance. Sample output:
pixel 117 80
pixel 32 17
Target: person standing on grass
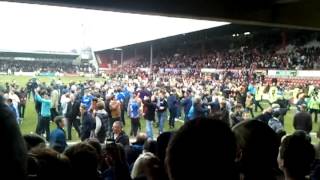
pixel 101 119
pixel 173 108
pixel 134 111
pixel 45 113
pixel 87 123
pixel 58 136
pixel 23 101
pixel 149 112
pixel 73 115
pixel 162 107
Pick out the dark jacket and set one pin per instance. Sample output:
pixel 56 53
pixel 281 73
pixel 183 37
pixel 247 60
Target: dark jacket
pixel 186 103
pixel 73 110
pixel 162 105
pixel 58 140
pixel 123 139
pixel 87 124
pixel 149 110
pixel 172 102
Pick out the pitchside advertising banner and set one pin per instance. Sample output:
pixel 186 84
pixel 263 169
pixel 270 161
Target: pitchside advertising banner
pixel 294 73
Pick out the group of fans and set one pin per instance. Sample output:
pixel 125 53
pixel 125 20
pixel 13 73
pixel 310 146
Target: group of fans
pixel 92 107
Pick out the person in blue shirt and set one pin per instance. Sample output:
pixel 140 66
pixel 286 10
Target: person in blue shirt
pixel 58 136
pixel 13 109
pixel 45 114
pixel 134 111
pixel 87 99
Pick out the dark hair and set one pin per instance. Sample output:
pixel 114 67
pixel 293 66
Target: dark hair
pixel 118 163
pixel 259 147
pixel 303 121
pixel 150 146
pixel 297 154
pixel 33 140
pixel 58 120
pixel 84 161
pixel 45 163
pixel 14 151
pixel 188 159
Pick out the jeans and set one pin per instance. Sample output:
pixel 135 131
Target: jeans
pixel 76 124
pixel 45 126
pixel 173 115
pixel 149 129
pixel 161 119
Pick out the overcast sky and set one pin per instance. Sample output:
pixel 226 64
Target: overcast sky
pixel 28 27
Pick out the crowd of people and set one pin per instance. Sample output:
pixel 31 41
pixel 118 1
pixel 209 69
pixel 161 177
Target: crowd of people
pixel 221 137
pixel 9 66
pixel 300 59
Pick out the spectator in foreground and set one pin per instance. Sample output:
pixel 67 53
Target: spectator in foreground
pixel 34 141
pixel 58 136
pixel 219 157
pixel 296 157
pixel 115 160
pixel 258 147
pixel 147 166
pixel 316 166
pixel 84 161
pixel 119 135
pixel 303 121
pixel 14 157
pixel 44 162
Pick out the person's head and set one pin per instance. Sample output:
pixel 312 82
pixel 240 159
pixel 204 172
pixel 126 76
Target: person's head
pixel 13 151
pixel 59 120
pixel 257 150
pixel 100 105
pixel 238 107
pixel 302 118
pixel 296 156
pixel 117 127
pixel 84 160
pixel 45 163
pixel 141 138
pixel 147 165
pixel 83 108
pixel 34 141
pixel 9 101
pixel 150 146
pixel 214 161
pixel 114 154
pixel 72 97
pixel 161 95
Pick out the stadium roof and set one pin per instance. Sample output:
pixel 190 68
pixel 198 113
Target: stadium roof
pixel 40 27
pixel 12 55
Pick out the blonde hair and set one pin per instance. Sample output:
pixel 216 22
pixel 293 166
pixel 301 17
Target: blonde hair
pixel 146 164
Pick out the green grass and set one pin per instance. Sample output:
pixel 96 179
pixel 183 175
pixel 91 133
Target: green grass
pixel 30 120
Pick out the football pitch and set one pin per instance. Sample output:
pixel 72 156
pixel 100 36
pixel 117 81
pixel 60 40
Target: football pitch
pixel 30 120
